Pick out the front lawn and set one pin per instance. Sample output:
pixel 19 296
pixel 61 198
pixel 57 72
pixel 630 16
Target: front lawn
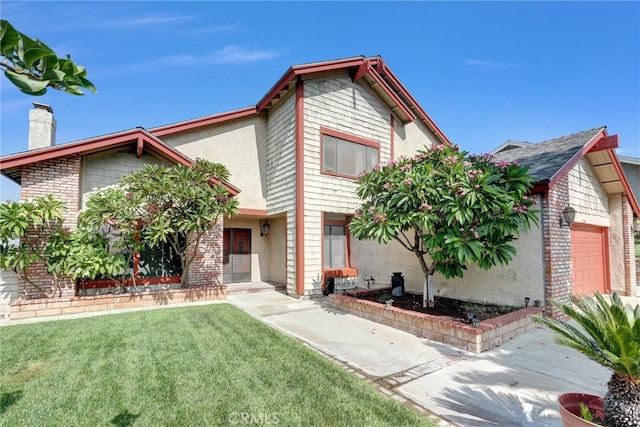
pixel 198 366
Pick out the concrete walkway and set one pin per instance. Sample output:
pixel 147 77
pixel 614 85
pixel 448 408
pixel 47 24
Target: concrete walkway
pixel 515 384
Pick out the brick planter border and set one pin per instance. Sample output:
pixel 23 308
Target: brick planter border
pixel 23 309
pixel 489 334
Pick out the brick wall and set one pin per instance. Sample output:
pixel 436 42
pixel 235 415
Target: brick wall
pixel 60 177
pixel 206 268
pixel 557 248
pixel 630 264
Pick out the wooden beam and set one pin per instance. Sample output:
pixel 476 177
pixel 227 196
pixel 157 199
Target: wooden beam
pixel 607 143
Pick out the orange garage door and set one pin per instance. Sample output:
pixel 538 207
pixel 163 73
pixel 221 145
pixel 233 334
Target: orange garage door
pixel 589 259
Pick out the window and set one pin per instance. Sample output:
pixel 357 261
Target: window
pixel 347 157
pixel 335 246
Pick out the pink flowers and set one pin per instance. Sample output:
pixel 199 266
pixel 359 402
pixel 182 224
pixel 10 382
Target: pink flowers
pixel 426 207
pixel 407 181
pixel 379 217
pixel 406 167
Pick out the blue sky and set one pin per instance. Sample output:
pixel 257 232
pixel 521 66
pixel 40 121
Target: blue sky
pixel 484 71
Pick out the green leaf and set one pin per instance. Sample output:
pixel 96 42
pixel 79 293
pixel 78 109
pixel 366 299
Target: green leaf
pixel 27 85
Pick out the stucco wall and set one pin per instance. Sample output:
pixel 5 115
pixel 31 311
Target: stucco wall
pixel 509 284
pixel 339 104
pixel 104 169
pixel 410 138
pixel 240 146
pixel 632 172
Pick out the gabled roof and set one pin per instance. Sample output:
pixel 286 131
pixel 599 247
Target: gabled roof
pixel 550 160
pixel 372 69
pixel 11 165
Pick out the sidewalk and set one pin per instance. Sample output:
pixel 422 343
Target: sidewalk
pixel 515 384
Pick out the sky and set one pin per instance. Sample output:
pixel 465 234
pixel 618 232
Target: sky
pixel 485 72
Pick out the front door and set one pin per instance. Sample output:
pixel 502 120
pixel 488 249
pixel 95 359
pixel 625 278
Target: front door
pixel 236 255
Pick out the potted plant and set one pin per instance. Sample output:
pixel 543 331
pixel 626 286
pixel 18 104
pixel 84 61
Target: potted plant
pixel 609 333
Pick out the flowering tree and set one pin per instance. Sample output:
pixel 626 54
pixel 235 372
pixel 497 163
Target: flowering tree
pixel 159 204
pixel 448 208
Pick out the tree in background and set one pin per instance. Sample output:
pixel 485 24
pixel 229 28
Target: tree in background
pixel 448 208
pixel 33 66
pixel 157 204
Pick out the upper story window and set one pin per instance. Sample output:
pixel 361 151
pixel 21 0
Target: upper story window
pixel 347 155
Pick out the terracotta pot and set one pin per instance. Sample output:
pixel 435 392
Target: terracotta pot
pixel 569 404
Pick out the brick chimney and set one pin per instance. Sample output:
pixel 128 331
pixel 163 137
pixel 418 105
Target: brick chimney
pixel 42 127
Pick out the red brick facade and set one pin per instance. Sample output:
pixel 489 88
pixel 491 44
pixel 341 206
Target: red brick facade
pixel 630 273
pixel 61 177
pixel 557 248
pixel 206 268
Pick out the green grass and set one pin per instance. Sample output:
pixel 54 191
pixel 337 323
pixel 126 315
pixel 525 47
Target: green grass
pixel 637 250
pixel 197 366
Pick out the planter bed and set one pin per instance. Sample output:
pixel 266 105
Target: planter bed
pixel 489 333
pixel 43 307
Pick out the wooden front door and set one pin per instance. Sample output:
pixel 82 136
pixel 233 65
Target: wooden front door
pixel 236 255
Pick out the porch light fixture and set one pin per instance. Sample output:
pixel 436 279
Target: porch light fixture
pixel 568 216
pixel 264 230
pixel 526 301
pixel 475 322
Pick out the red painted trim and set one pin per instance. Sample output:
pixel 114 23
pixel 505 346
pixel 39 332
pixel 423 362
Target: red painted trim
pixel 382 69
pixel 252 212
pixel 338 175
pixel 322 224
pixel 299 187
pixel 607 143
pixel 395 98
pixel 607 261
pixel 300 70
pixel 540 187
pixel 139 147
pixel 203 121
pixel 576 157
pixel 393 138
pixel 341 272
pixel 361 71
pixel 625 182
pixel 349 137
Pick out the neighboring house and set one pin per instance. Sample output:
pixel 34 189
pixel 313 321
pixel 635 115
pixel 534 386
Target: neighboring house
pixel 555 260
pixel 294 158
pixel 631 167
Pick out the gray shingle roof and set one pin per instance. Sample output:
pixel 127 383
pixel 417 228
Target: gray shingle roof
pixel 546 158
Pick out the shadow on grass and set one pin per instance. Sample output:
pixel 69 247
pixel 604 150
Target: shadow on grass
pixel 8 399
pixel 124 419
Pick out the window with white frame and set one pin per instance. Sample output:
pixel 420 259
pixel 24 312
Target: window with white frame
pixel 349 158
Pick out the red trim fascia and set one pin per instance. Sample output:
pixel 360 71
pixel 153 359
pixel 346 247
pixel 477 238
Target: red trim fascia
pixel 252 212
pixel 90 145
pixel 300 70
pixel 383 69
pixel 203 121
pixel 338 175
pixel 602 133
pixel 607 143
pixel 625 182
pixel 299 120
pixel 393 138
pixel 139 147
pixel 349 137
pixel 387 89
pixel 361 71
pixel 540 187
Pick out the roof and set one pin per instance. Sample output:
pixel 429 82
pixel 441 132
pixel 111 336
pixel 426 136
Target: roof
pixel 372 69
pixel 11 165
pixel 550 160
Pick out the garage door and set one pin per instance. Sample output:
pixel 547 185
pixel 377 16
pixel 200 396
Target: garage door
pixel 589 259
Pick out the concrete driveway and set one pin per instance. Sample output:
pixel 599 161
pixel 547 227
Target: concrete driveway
pixel 515 384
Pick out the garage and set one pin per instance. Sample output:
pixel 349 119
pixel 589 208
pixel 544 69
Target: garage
pixel 589 259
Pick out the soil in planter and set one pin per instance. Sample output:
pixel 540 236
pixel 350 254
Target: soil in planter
pixel 443 306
